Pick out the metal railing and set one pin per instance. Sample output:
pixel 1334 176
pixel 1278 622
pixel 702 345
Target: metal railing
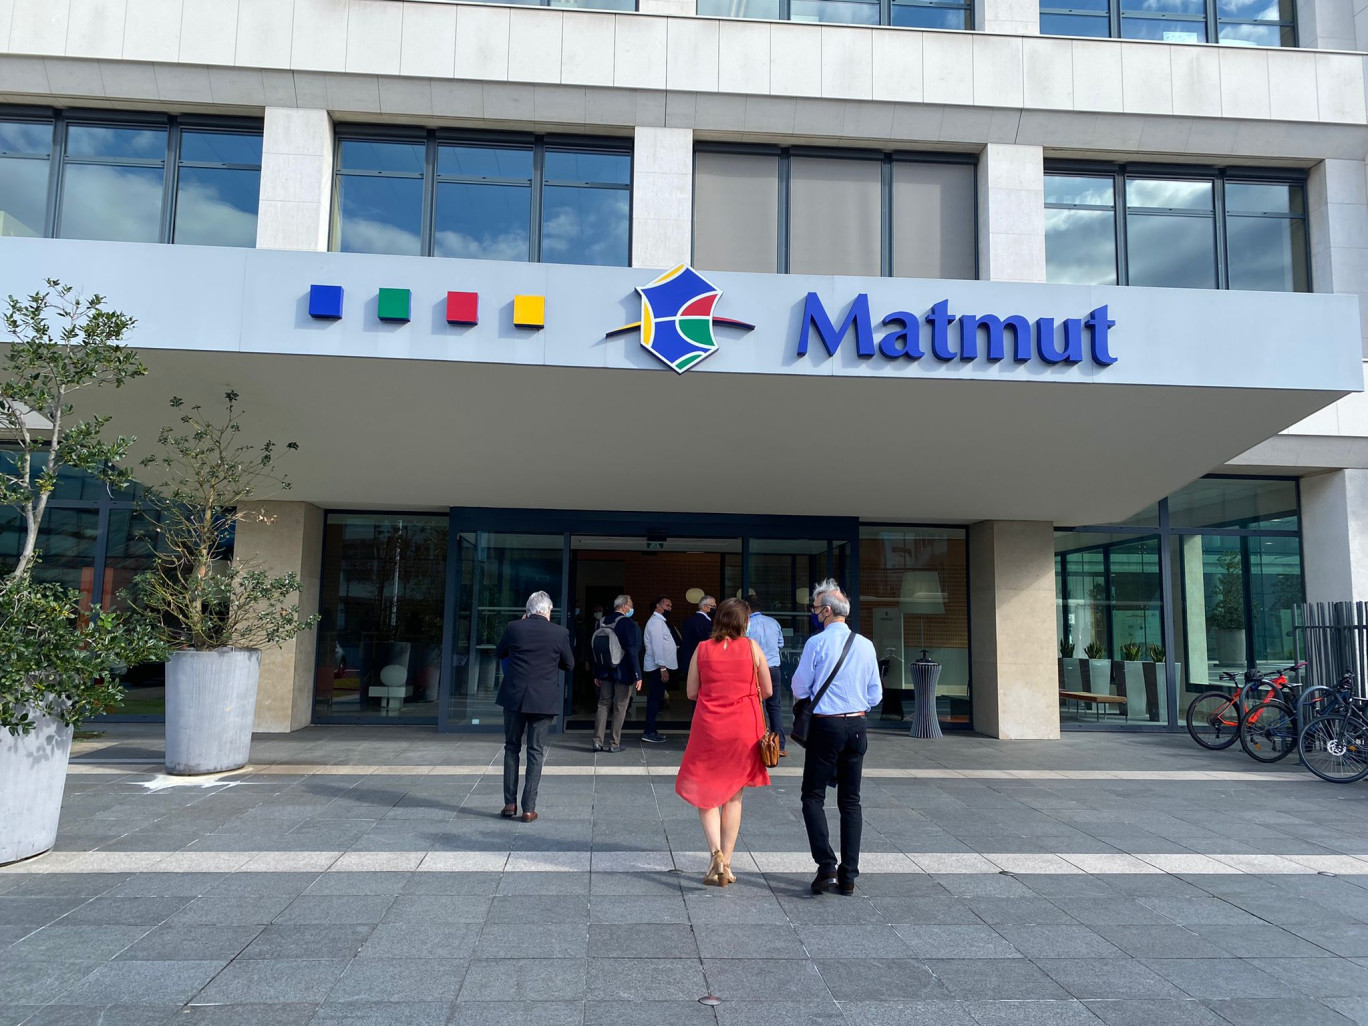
pixel 1333 638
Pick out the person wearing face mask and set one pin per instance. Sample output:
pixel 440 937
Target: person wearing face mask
pixel 697 629
pixel 839 672
pixel 617 672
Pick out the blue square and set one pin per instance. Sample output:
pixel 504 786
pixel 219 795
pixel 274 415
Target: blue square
pixel 325 302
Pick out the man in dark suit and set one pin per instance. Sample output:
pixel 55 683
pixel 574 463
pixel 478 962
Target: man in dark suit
pixel 537 651
pixel 697 629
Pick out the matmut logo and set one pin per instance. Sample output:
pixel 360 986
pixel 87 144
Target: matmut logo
pixel 677 321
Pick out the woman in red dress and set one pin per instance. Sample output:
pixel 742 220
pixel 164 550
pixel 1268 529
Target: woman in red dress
pixel 723 753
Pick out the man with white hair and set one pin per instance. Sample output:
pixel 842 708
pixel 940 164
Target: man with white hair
pixel 839 671
pixel 537 651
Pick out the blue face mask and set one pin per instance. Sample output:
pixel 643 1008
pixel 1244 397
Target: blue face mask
pixel 629 611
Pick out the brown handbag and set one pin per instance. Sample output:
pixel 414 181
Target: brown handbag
pixel 769 743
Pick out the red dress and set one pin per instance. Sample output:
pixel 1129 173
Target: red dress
pixel 723 753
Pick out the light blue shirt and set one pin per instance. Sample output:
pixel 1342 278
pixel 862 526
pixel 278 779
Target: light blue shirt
pixel 855 689
pixel 766 632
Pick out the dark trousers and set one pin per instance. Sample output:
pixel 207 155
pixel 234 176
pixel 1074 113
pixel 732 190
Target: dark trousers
pixel 835 744
pixel 774 710
pixel 655 698
pixel 535 726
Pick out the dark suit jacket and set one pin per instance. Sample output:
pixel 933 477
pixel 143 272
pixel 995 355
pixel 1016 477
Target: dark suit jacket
pixel 697 629
pixel 537 651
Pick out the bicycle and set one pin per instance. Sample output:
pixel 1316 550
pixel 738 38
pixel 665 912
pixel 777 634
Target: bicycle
pixel 1334 746
pixel 1269 728
pixel 1214 716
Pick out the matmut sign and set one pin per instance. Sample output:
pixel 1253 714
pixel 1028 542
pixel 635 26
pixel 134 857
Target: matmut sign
pixel 948 336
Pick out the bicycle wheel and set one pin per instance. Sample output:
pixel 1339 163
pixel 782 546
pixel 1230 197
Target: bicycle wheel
pixel 1314 702
pixel 1335 748
pixel 1268 731
pixel 1213 720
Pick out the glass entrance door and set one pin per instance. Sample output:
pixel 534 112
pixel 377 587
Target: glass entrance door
pixel 495 575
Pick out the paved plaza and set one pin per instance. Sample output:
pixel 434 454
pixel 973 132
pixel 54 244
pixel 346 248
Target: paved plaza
pixel 363 875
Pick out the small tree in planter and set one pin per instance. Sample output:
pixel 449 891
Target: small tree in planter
pixel 1227 616
pixel 214 614
pixel 59 662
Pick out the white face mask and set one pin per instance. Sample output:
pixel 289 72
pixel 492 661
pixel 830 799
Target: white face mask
pixel 628 611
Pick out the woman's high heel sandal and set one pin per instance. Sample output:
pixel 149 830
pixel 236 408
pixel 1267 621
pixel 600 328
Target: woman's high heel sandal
pixel 728 877
pixel 716 874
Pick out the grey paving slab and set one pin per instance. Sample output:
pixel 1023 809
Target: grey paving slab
pixel 1059 942
pixel 346 883
pixel 420 940
pixel 1151 1011
pixel 607 909
pixel 17 910
pixel 644 979
pixel 1160 941
pixel 170 942
pixel 537 940
pixel 102 1015
pixel 30 983
pixel 853 942
pixel 308 940
pixel 277 981
pixel 324 908
pixel 1087 978
pixel 644 884
pixel 1318 977
pixel 427 908
pixel 1218 978
pixel 790 980
pixel 905 1013
pixel 1020 911
pixel 747 940
pixel 523 884
pixel 524 979
pixel 248 1014
pixel 231 910
pixel 518 1013
pixel 1354 1010
pixel 546 908
pixel 382 1013
pixel 59 943
pixel 995 979
pixel 649 1013
pixel 1274 1012
pixel 956 942
pixel 475 884
pixel 628 940
pixel 1349 940
pixel 390 979
pixel 151 983
pixel 125 911
pixel 1031 1013
pixel 928 911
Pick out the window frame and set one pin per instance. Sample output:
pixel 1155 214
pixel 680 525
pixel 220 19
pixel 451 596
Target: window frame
pixel 887 160
pixel 1120 174
pixel 1211 22
pixel 885 8
pixel 61 120
pixel 434 138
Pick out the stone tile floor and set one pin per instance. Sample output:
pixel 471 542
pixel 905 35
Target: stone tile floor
pixel 363 875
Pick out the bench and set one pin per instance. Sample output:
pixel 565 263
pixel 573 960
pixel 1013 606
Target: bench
pixel 1098 701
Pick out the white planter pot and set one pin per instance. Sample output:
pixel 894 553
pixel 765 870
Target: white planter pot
pixel 33 769
pixel 210 703
pixel 1099 676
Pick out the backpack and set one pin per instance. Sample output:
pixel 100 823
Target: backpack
pixel 607 650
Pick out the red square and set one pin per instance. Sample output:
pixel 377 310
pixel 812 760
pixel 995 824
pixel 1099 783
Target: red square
pixel 463 308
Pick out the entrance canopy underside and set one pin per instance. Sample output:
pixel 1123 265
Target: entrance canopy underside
pixel 409 434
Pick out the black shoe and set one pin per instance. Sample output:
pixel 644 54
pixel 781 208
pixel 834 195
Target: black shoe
pixel 614 749
pixel 598 747
pixel 654 738
pixel 846 888
pixel 824 881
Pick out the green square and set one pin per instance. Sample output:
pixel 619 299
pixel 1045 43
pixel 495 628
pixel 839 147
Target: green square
pixel 395 305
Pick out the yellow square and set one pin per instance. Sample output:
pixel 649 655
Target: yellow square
pixel 529 311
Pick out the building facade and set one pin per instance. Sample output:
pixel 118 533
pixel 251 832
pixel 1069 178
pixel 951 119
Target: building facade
pixel 1039 326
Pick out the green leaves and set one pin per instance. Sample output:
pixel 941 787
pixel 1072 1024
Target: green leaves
pixel 194 598
pixel 61 659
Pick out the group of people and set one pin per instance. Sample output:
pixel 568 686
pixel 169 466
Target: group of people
pixel 729 654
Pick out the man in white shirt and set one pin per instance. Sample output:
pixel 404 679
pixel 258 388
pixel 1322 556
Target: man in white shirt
pixel 662 656
pixel 766 632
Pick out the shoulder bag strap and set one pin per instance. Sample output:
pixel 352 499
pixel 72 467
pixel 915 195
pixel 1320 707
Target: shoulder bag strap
pixel 834 670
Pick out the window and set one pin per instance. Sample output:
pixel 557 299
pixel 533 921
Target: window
pixel 932 14
pixel 485 197
pixel 130 178
pixel 1237 22
pixel 1176 227
pixel 833 212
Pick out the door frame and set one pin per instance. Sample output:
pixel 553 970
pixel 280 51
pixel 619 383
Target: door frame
pixel 496 520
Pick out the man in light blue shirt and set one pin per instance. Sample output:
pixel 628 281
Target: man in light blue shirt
pixel 766 632
pixel 838 738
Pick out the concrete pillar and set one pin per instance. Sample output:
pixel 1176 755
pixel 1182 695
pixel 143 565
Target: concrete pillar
pixel 1335 536
pixel 1012 635
pixel 290 539
pixel 662 197
pixel 1009 17
pixel 1337 211
pixel 296 180
pixel 1011 213
pixel 1329 24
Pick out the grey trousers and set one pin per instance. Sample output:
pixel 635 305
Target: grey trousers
pixel 535 727
pixel 618 696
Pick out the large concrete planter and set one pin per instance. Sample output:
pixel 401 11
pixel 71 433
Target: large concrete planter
pixel 210 703
pixel 33 769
